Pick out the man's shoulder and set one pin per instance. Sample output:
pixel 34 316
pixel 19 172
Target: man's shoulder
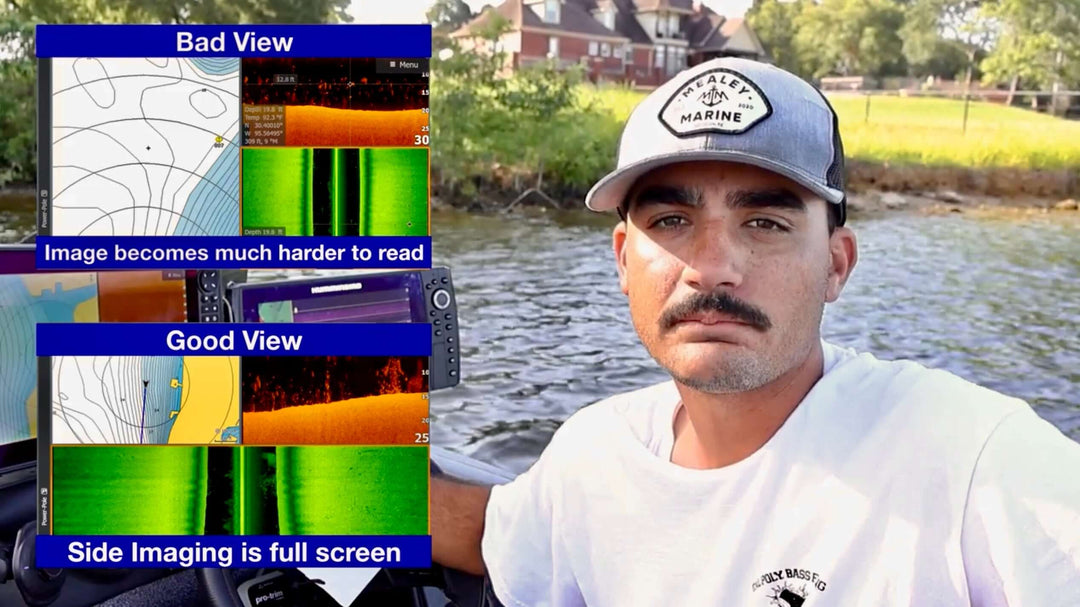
pixel 640 413
pixel 915 396
pixel 903 379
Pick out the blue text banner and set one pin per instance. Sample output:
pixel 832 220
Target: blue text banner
pixel 234 339
pixel 228 551
pixel 341 40
pixel 232 252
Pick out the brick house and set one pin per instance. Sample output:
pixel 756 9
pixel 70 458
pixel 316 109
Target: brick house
pixel 642 42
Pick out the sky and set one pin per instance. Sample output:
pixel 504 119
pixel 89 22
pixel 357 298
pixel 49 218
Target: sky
pixel 412 11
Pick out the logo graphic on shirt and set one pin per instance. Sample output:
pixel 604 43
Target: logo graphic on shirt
pixel 788 587
pixel 717 101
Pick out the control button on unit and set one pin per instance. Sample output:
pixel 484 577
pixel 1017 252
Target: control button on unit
pixel 441 299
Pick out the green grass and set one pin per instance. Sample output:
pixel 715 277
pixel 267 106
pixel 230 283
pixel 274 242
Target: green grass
pixel 927 131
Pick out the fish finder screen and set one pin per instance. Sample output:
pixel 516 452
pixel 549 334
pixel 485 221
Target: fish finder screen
pixel 354 298
pixel 28 297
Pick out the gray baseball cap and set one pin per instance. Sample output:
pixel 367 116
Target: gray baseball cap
pixel 735 110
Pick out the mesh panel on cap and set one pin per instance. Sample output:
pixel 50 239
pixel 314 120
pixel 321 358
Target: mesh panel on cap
pixel 835 176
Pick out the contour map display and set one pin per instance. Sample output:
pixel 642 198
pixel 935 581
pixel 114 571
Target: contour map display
pixel 24 302
pixel 153 400
pixel 145 146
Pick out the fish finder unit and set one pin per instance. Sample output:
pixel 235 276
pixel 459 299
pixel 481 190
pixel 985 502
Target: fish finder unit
pixel 29 296
pixel 425 296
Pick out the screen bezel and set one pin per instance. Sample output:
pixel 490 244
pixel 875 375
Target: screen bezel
pixel 19 458
pixel 16 457
pixel 246 293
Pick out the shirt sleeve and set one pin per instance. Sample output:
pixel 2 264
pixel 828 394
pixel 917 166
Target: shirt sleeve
pixel 522 547
pixel 1021 529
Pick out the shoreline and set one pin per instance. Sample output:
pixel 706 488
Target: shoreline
pixel 872 189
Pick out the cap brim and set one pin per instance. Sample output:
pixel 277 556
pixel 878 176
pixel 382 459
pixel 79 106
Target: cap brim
pixel 610 191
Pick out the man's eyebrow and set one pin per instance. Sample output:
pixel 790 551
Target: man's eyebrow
pixel 667 194
pixel 781 198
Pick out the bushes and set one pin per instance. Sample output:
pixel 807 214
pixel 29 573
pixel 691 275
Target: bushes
pixel 18 112
pixel 531 128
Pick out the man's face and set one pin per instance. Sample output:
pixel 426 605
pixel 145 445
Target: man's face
pixel 728 268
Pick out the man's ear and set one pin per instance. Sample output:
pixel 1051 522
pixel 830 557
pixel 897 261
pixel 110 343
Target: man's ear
pixel 844 254
pixel 618 242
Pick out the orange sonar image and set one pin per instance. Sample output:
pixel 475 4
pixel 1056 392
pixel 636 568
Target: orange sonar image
pixel 311 125
pixel 334 400
pixel 334 102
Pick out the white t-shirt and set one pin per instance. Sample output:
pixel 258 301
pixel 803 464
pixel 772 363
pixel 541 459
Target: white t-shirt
pixel 890 484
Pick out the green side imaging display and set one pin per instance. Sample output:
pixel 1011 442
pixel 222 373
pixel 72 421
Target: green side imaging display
pixel 353 490
pixel 175 490
pixel 129 490
pixel 335 191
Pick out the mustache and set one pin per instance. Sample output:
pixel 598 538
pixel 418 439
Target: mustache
pixel 722 303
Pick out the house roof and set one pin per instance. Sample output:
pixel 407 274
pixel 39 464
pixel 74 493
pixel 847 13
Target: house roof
pixel 573 17
pixel 708 30
pixel 703 27
pixel 627 23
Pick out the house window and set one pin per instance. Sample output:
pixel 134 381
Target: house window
pixel 617 51
pixel 594 48
pixel 672 59
pixel 628 54
pixel 609 18
pixel 551 11
pixel 659 57
pixel 661 25
pixel 673 24
pixel 605 49
pixel 553 47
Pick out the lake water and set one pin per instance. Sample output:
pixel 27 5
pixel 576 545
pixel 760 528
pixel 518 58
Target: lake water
pixel 545 330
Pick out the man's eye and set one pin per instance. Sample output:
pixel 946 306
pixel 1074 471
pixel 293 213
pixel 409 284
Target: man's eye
pixel 766 224
pixel 670 221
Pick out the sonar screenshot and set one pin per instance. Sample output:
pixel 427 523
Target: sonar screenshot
pixel 223 146
pixel 158 411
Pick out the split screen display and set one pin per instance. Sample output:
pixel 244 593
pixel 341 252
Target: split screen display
pixel 228 445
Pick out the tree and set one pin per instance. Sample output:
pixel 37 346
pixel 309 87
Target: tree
pixel 18 159
pixel 1039 43
pixel 185 11
pixel 927 51
pixel 495 126
pixel 448 15
pixel 774 23
pixel 967 23
pixel 851 37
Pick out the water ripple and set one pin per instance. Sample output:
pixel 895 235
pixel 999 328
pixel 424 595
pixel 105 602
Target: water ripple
pixel 546 331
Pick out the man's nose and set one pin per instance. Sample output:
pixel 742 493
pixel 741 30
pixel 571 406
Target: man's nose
pixel 716 259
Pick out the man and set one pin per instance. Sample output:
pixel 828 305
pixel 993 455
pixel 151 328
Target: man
pixel 775 468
